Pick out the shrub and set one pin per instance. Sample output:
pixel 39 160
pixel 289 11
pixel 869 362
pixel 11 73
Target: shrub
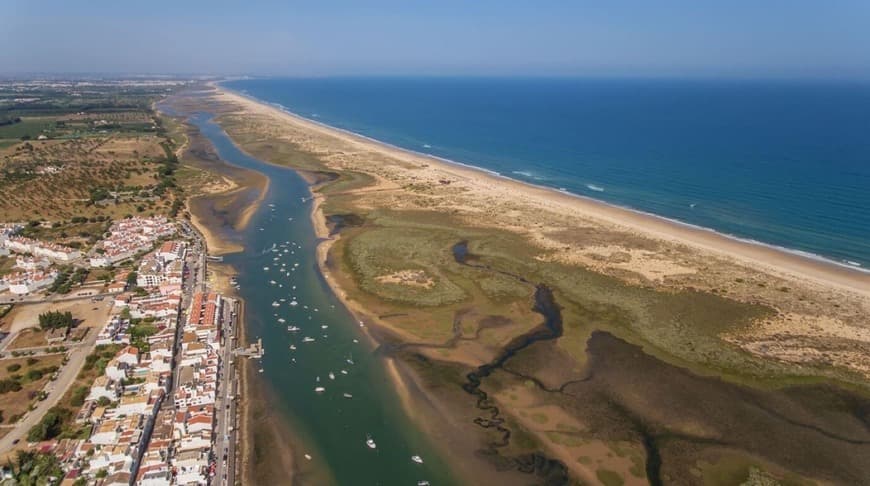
pixel 9 385
pixel 78 396
pixel 34 374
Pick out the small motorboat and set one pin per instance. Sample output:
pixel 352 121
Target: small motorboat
pixel 423 483
pixel 319 389
pixel 331 375
pixel 308 456
pixel 417 459
pixel 292 347
pixel 292 328
pixel 347 395
pixel 275 303
pixel 308 339
pixel 370 442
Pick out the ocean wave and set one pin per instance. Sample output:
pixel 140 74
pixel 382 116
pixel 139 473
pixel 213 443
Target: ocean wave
pixel 593 187
pixel 528 174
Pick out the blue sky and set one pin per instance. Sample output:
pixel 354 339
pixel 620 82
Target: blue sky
pixel 737 38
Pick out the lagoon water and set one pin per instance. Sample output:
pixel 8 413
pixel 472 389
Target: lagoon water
pixel 783 163
pixel 332 428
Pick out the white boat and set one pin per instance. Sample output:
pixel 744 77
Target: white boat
pixel 343 372
pixel 319 389
pixel 275 303
pixel 331 375
pixel 347 395
pixel 324 326
pixel 292 347
pixel 292 328
pixel 266 268
pixel 423 483
pixel 282 320
pixel 308 339
pixel 272 282
pixel 370 442
pixel 308 456
pixel 260 370
pixel 294 303
pixel 417 459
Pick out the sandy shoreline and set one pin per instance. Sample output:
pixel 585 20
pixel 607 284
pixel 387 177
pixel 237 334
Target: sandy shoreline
pixel 757 255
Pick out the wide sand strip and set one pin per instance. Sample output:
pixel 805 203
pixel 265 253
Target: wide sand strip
pixel 491 186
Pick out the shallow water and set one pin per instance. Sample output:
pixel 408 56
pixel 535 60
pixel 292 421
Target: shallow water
pixel 333 428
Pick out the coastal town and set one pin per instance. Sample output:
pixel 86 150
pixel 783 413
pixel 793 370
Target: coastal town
pixel 158 404
pixel 427 322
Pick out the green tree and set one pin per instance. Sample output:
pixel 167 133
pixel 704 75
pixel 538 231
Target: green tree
pixel 56 320
pixel 49 427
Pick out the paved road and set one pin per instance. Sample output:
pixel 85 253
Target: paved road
pixel 225 406
pixel 55 389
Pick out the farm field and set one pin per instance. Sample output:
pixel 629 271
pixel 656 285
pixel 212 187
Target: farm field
pixel 73 160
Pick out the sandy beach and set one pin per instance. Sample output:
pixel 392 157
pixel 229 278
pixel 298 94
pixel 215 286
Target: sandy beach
pixel 492 186
pixel 816 307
